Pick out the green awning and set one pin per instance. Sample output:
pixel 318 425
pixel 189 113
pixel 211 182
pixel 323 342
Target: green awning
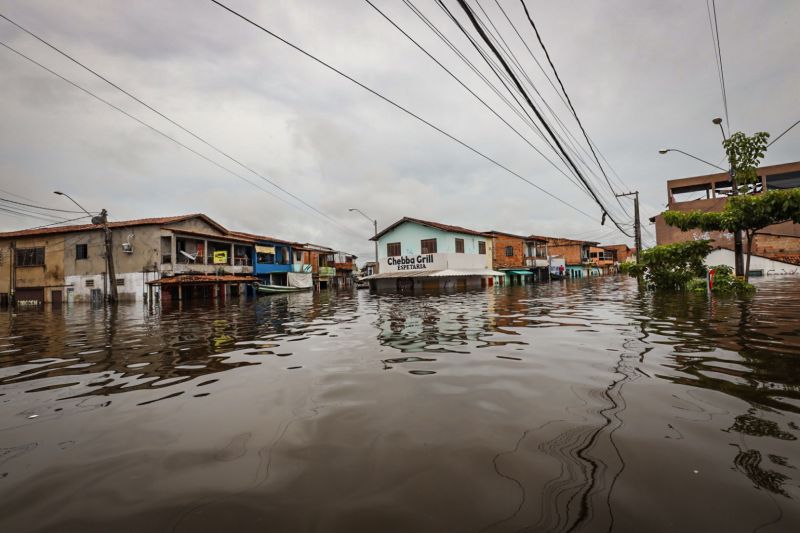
pixel 520 272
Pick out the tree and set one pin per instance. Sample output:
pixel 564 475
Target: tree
pixel 672 266
pixel 747 213
pixel 744 155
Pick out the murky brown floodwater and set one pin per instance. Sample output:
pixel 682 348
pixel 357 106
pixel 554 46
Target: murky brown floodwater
pixel 580 406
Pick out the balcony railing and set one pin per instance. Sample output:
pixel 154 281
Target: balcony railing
pixel 343 266
pixel 327 271
pixel 301 267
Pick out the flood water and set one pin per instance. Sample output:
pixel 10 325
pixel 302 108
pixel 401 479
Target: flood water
pixel 571 406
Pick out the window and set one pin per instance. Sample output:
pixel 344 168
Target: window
pixel 459 246
pixel 166 250
pixel 265 259
pixel 30 257
pixel 428 246
pixel 120 282
pixel 81 251
pixel 89 283
pixel 393 249
pixel 481 247
pixel 509 251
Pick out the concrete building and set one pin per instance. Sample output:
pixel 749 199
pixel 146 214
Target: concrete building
pixel 710 193
pixel 67 263
pixel 417 254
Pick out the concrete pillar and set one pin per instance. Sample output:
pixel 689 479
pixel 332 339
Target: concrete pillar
pixel 173 250
pixel 205 251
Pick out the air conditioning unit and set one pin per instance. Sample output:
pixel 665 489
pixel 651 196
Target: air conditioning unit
pixel 127 247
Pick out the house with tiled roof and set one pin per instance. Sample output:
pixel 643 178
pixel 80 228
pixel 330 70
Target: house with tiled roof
pixel 67 263
pixel 415 254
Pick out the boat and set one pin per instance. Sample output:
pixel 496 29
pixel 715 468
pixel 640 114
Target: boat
pixel 275 289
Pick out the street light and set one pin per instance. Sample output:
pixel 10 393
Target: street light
pixel 102 220
pixel 375 226
pixel 73 201
pixel 665 150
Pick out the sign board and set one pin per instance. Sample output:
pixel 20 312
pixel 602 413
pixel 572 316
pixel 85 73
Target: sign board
pixel 265 249
pixel 221 257
pixel 433 262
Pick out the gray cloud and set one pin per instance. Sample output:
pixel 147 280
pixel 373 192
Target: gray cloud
pixel 641 75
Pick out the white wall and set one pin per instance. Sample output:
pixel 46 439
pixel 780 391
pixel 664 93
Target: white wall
pixel 132 290
pixel 770 267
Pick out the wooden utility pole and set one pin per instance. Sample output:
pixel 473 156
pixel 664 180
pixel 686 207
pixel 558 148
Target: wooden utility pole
pixel 636 222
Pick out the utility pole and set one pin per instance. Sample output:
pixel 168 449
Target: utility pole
pixel 101 220
pixel 636 221
pixel 375 227
pixel 111 276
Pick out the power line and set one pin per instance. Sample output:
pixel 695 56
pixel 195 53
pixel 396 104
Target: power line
pixel 480 31
pixel 460 82
pixel 782 134
pixel 395 104
pixel 57 223
pixel 165 117
pixel 41 207
pixel 569 100
pixel 711 5
pixel 154 129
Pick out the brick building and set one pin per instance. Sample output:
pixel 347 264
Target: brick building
pixel 779 242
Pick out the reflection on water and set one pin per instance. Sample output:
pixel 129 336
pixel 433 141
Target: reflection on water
pixel 571 406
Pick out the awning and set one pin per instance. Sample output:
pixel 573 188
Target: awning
pixel 519 272
pixel 201 279
pixel 449 272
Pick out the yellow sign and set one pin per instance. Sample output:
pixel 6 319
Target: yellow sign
pixel 265 249
pixel 221 257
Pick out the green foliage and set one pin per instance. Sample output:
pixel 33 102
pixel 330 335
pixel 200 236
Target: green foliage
pixel 672 266
pixel 631 268
pixel 686 220
pixel 744 155
pixel 726 283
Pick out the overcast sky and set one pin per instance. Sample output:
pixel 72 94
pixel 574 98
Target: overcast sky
pixel 641 75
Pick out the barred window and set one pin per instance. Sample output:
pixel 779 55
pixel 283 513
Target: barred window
pixel 120 282
pixel 509 251
pixel 459 246
pixel 81 251
pixel 30 257
pixel 393 249
pixel 481 247
pixel 89 283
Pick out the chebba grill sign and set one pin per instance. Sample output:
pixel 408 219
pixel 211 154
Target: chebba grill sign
pixel 411 262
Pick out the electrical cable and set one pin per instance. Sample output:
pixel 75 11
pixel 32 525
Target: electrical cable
pixel 460 82
pixel 154 129
pixel 784 133
pixel 165 117
pixel 41 207
pixel 395 104
pixel 569 101
pixel 480 31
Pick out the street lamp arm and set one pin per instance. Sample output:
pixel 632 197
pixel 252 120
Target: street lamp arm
pixel 73 201
pixel 360 212
pixel 665 150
